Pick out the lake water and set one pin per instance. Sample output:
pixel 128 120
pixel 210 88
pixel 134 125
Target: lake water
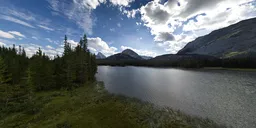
pixel 227 97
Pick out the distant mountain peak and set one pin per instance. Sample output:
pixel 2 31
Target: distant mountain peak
pixel 128 51
pixel 147 57
pixel 131 53
pixel 100 56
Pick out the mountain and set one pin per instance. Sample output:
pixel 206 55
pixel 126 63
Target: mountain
pixel 188 60
pixel 127 54
pixel 132 54
pixel 238 40
pixel 176 58
pixel 121 56
pixel 100 56
pixel 146 57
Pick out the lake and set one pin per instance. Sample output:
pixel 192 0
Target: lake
pixel 227 97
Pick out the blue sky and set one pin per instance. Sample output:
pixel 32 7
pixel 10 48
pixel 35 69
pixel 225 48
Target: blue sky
pixel 149 27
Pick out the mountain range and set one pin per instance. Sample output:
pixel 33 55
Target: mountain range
pixel 127 54
pixel 232 45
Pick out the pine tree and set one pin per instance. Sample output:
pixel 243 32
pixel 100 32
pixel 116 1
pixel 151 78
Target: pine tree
pixel 20 52
pixel 5 77
pixel 23 53
pixel 85 43
pixel 13 48
pixel 81 43
pixel 67 47
pixel 5 80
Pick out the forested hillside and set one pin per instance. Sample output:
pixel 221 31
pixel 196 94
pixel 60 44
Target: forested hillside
pixel 21 77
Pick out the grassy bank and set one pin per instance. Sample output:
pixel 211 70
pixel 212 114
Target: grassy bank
pixel 91 106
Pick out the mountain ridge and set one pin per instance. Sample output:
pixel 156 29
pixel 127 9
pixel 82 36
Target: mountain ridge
pixel 238 38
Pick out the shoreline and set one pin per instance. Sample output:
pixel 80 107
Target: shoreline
pixel 206 68
pixel 92 106
pixel 231 69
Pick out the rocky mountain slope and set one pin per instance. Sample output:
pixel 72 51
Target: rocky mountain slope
pixel 132 54
pixel 100 56
pixel 127 54
pixel 238 40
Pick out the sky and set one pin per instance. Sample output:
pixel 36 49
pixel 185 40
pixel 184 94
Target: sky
pixel 149 27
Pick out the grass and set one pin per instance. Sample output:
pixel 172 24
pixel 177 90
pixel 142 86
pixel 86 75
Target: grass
pixel 229 35
pixel 231 54
pixel 91 106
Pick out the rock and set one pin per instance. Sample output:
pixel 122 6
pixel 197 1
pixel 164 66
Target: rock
pixel 100 56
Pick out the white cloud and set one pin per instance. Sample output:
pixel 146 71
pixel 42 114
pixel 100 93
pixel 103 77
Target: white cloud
pixel 34 37
pixel 121 2
pixel 17 34
pixel 45 27
pixel 192 8
pixel 22 16
pixel 220 18
pixel 91 4
pixel 2 44
pixel 6 35
pixel 18 13
pixel 97 44
pixel 130 13
pixel 138 23
pixel 93 50
pixel 73 43
pixel 164 36
pixel 8 18
pixel 31 49
pixel 119 25
pixel 79 11
pixel 180 41
pixel 140 38
pixel 164 19
pixel 112 29
pixel 140 52
pixel 49 40
pixel 49 47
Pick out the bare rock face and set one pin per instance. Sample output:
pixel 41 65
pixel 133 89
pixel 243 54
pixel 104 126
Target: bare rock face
pixel 236 40
pixel 100 56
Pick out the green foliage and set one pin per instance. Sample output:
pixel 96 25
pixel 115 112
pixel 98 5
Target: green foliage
pixel 232 54
pixel 4 75
pixel 21 77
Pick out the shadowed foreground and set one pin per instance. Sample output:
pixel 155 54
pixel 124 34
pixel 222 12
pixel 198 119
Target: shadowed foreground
pixel 92 106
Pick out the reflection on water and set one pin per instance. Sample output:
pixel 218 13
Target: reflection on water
pixel 227 97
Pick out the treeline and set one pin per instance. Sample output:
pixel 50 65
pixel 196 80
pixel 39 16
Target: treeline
pixel 246 62
pixel 161 63
pixel 21 76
